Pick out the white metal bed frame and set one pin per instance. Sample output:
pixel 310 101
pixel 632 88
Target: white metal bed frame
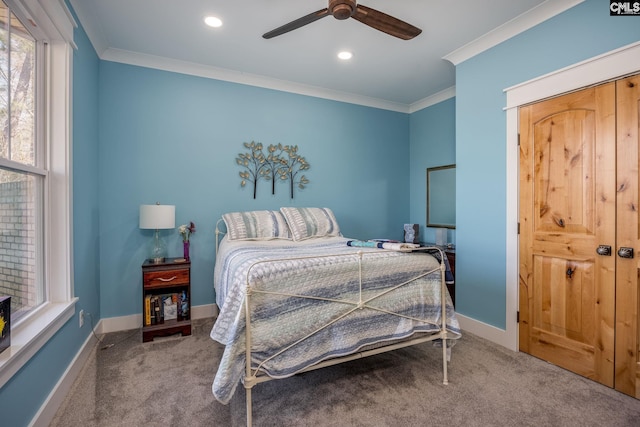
pixel 255 376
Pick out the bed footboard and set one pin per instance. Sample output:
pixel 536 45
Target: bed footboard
pixel 254 373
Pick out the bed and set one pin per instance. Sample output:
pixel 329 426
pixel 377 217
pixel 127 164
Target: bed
pixel 294 295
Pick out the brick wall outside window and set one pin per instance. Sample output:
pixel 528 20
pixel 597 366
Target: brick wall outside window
pixel 17 245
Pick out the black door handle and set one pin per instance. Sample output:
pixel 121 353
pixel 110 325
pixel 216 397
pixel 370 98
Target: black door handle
pixel 604 250
pixel 625 252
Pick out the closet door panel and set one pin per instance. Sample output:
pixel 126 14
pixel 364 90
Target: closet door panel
pixel 567 210
pixel 627 367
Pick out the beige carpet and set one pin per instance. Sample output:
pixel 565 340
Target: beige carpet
pixel 168 383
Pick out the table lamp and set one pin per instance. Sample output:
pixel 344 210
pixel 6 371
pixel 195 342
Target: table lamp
pixel 158 217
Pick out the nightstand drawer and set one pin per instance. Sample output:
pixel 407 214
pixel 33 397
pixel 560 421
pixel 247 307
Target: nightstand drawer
pixel 166 278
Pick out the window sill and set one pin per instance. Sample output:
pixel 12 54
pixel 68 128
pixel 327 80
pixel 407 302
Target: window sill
pixel 32 334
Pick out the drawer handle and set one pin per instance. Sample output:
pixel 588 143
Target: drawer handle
pixel 167 280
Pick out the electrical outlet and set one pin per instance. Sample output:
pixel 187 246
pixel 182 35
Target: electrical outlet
pixel 81 317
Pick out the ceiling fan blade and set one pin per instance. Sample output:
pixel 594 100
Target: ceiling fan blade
pixel 300 22
pixel 385 23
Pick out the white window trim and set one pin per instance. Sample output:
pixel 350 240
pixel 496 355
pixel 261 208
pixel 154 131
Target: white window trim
pixel 29 335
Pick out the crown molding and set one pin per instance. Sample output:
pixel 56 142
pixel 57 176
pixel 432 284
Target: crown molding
pixel 91 25
pixel 199 70
pixel 517 25
pixel 436 98
pixel 527 20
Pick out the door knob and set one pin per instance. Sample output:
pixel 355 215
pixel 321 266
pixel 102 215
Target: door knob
pixel 625 252
pixel 604 250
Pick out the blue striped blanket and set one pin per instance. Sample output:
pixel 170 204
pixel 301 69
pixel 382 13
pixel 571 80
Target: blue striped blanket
pixel 297 288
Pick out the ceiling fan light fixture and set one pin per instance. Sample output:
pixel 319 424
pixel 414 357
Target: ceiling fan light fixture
pixel 345 55
pixel 213 21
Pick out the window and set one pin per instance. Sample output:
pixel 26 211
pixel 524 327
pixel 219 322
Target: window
pixel 36 51
pixel 22 175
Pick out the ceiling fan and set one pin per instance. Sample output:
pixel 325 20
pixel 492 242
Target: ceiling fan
pixel 343 9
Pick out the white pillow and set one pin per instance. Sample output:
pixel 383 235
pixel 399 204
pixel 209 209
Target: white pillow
pixel 306 223
pixel 256 225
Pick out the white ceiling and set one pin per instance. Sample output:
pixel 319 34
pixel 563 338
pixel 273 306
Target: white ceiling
pixel 384 71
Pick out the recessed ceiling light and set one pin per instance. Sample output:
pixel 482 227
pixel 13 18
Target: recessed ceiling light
pixel 213 21
pixel 344 55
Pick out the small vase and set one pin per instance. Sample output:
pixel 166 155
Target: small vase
pixel 185 249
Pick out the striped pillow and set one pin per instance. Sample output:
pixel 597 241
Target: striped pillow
pixel 256 225
pixel 306 223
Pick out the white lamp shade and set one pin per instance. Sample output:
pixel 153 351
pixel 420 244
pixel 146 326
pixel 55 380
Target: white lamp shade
pixel 157 216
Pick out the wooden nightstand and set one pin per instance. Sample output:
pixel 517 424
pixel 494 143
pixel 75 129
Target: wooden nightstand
pixel 166 298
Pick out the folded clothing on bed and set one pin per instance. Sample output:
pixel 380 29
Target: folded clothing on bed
pixel 404 247
pixel 399 246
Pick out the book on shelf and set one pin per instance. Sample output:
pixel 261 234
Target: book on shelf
pixel 161 307
pixel 183 306
pixel 152 310
pixel 158 308
pixel 155 310
pixel 147 310
pixel 170 306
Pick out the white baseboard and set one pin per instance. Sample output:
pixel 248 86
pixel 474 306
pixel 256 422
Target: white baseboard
pixel 112 324
pixel 205 311
pixel 488 332
pixel 52 403
pixel 124 323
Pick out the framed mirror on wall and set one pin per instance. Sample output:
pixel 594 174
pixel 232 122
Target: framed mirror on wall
pixel 441 196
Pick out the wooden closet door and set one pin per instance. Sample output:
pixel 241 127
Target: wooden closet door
pixel 567 210
pixel 627 367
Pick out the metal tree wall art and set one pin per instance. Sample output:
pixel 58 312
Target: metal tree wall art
pixel 274 160
pixel 282 161
pixel 292 167
pixel 254 162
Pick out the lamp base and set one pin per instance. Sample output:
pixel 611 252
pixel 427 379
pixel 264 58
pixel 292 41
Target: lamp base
pixel 158 250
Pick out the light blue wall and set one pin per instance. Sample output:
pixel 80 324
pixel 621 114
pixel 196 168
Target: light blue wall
pixel 24 394
pixel 86 209
pixel 432 142
pixel 580 33
pixel 173 138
